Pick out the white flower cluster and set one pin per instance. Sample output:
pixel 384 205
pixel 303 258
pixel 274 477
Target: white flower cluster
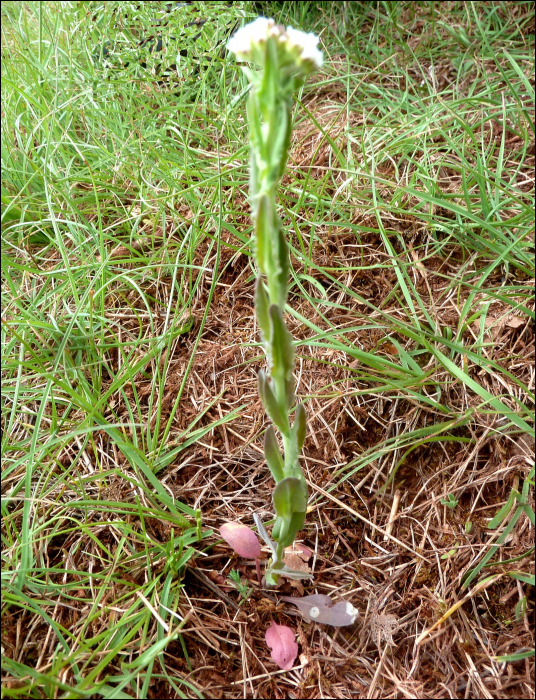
pixel 301 48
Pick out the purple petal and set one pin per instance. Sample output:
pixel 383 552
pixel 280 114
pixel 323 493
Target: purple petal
pixel 320 608
pixel 282 641
pixel 307 602
pixel 243 540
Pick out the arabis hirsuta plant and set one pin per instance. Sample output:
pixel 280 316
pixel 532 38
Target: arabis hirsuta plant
pixel 283 58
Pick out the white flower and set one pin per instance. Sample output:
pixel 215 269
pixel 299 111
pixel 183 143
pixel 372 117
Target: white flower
pixel 250 36
pixel 308 43
pixel 295 48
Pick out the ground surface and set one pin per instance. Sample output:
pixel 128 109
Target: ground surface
pixel 132 426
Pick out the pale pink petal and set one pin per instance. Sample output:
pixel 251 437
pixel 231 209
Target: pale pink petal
pixel 282 641
pixel 320 608
pixel 243 540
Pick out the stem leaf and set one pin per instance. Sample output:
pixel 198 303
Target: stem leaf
pixel 281 345
pixel 261 307
pixel 271 405
pixel 299 427
pixel 273 455
pixel 289 497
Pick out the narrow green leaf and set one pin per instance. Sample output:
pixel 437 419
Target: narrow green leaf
pixel 522 576
pixel 273 455
pixel 515 657
pixel 281 345
pixel 514 559
pixel 493 549
pixel 262 233
pixel 282 141
pixel 529 513
pixel 149 654
pixel 271 405
pixel 504 511
pixel 261 307
pixel 521 608
pixel 496 403
pixel 299 428
pixel 290 385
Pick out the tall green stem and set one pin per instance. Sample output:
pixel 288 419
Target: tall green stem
pixel 285 57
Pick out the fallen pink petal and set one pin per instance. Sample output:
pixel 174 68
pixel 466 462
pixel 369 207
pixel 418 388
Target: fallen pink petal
pixel 282 641
pixel 242 539
pixel 320 608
